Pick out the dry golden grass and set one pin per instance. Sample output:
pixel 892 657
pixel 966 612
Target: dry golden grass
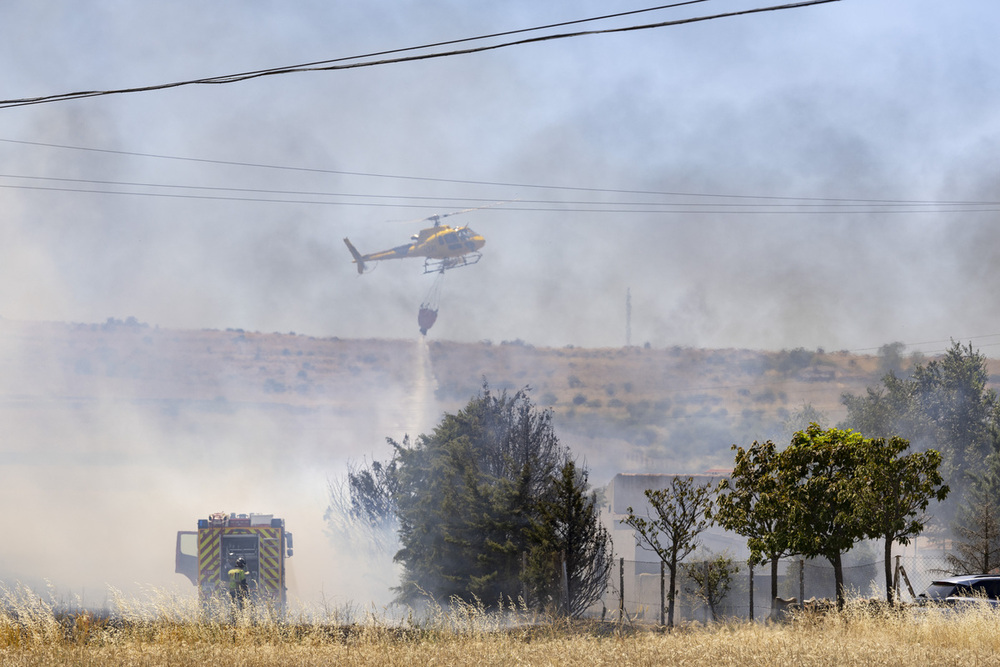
pixel 166 631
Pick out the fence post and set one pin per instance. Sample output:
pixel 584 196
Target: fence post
pixel 564 582
pixel 621 589
pixel 705 589
pixel 895 581
pixel 524 583
pixel 909 586
pixel 663 589
pixel 751 590
pixel 802 580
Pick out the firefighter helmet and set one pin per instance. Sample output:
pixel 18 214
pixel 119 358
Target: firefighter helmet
pixel 241 562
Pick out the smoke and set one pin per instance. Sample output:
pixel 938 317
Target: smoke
pixel 834 101
pixel 119 435
pixel 842 101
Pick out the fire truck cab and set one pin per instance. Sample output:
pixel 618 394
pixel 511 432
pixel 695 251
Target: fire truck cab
pixel 206 555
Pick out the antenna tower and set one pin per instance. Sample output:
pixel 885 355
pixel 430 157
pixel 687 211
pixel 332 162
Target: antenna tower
pixel 628 317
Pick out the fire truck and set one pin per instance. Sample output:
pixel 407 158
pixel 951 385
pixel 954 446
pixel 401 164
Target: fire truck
pixel 206 555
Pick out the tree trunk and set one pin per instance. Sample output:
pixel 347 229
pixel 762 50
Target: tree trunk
pixel 888 571
pixel 774 581
pixel 838 576
pixel 673 588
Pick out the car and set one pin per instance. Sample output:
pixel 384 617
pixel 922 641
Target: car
pixel 963 589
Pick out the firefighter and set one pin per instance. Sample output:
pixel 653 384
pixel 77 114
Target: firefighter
pixel 239 589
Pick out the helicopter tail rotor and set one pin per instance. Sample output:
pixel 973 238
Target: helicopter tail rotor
pixel 358 259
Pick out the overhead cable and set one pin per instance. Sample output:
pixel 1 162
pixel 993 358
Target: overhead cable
pixel 741 199
pixel 341 64
pixel 270 196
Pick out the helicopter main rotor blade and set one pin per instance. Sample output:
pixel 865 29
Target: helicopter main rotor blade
pixel 437 216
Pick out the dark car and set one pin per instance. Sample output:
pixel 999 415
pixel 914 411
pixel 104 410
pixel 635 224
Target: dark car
pixel 968 588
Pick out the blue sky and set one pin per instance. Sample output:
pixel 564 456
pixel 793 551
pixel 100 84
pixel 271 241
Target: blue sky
pixel 833 150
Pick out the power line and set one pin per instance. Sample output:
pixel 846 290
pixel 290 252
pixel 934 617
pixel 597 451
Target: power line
pixel 934 342
pixel 775 201
pixel 343 63
pixel 451 42
pixel 769 203
pixel 540 205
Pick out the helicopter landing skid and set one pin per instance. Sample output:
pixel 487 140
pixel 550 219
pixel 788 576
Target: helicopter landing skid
pixel 442 265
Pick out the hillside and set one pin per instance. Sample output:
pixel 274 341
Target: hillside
pixel 675 409
pixel 624 409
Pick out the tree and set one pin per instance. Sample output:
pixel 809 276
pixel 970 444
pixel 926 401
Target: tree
pixel 885 411
pixel 468 498
pixel 752 503
pixel 373 490
pixel 953 394
pixel 362 509
pixel 944 405
pixel 895 492
pixel 817 474
pixel 976 528
pixel 490 486
pixel 801 418
pixel 681 514
pixel 826 491
pixel 891 358
pixel 712 580
pixel 569 538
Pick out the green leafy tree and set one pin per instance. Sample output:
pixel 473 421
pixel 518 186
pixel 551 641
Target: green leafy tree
pixel 825 492
pixel 753 503
pixel 572 552
pixel 817 473
pixel 896 489
pixel 712 579
pixel 680 514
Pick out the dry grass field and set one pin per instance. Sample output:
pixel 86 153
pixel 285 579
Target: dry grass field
pixel 32 633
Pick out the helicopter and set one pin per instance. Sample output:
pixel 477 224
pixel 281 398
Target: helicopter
pixel 442 246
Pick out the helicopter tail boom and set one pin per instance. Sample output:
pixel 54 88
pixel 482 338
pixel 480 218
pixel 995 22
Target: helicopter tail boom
pixel 358 259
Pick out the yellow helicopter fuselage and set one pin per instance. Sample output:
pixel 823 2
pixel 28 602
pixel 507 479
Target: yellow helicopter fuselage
pixel 447 246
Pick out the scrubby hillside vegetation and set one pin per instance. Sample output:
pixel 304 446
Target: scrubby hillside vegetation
pixel 623 409
pixel 667 410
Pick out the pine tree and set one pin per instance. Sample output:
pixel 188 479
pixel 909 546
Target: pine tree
pixel 468 498
pixel 976 527
pixel 571 556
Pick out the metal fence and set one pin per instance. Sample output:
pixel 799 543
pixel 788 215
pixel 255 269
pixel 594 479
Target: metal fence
pixel 634 589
